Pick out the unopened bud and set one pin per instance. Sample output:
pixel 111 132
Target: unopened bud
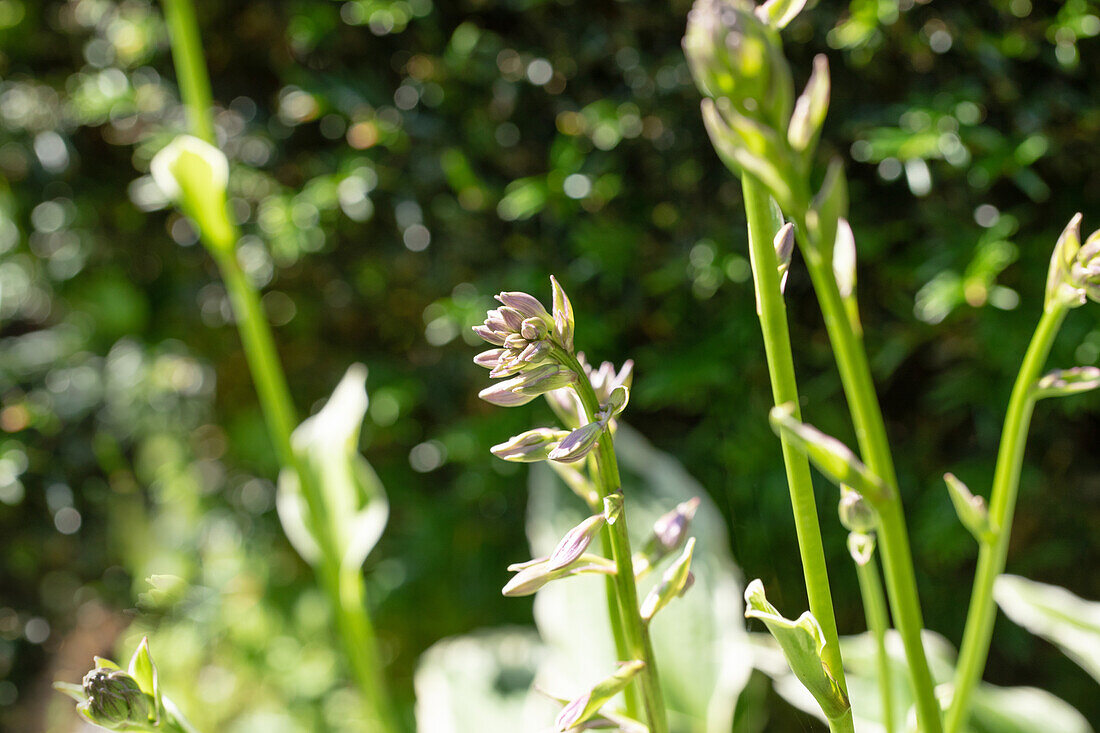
pixel 527 305
pixel 532 575
pixel 810 108
pixel 115 700
pixel 1063 382
pixel 733 54
pixel 490 358
pixel 504 394
pixel 670 529
pixel 970 509
pixel 856 513
pixel 575 542
pixel 861 547
pixel 1062 291
pixel 545 378
pixel 564 324
pixel 578 443
pixel 529 447
pixel 832 458
pixel 673 584
pixel 583 708
pixel 194 174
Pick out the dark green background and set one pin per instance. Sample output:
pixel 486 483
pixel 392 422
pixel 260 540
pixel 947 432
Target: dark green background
pixel 1001 110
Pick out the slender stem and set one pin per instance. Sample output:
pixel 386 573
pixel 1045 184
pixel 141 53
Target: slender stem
pixel 897 560
pixel 636 636
pixel 1002 505
pixel 344 588
pixel 777 347
pixel 194 83
pixel 878 621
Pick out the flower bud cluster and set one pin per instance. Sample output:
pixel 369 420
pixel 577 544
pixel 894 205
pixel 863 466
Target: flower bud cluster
pixel 1074 274
pixel 532 347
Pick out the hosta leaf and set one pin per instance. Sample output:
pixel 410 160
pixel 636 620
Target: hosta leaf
pixel 1070 623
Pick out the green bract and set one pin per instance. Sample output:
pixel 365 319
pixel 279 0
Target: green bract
pixel 355 502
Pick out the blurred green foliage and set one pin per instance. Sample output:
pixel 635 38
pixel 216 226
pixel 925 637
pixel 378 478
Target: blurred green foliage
pixel 397 162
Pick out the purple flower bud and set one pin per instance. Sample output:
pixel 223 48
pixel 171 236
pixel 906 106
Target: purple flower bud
pixel 489 335
pixel 673 584
pixel 575 542
pixel 545 378
pixel 495 320
pixel 534 329
pixel 670 529
pixel 489 358
pixel 534 574
pixel 513 319
pixel 570 715
pixel 583 708
pixel 528 305
pixel 535 352
pixel 533 445
pixel 577 445
pixel 503 394
pixel 515 341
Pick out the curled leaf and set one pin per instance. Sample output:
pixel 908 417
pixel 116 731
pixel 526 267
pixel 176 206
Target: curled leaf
pixel 802 642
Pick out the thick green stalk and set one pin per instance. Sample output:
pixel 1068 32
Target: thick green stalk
pixel 194 83
pixel 897 560
pixel 633 693
pixel 878 621
pixel 1002 505
pixel 635 634
pixel 345 589
pixel 777 348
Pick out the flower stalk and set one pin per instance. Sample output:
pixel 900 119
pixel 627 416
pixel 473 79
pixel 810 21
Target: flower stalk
pixel 993 554
pixel 732 48
pixel 344 586
pixel 535 355
pixel 777 348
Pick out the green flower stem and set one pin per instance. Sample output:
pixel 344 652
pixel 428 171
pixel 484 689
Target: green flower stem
pixel 878 621
pixel 777 347
pixel 194 82
pixel 1002 504
pixel 633 693
pixel 632 696
pixel 636 635
pixel 344 587
pixel 897 560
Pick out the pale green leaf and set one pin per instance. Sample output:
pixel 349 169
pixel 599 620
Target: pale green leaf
pixel 1070 623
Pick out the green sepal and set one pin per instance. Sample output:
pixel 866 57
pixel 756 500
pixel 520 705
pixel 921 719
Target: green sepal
pixel 74 691
pixel 802 642
pixel 144 671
